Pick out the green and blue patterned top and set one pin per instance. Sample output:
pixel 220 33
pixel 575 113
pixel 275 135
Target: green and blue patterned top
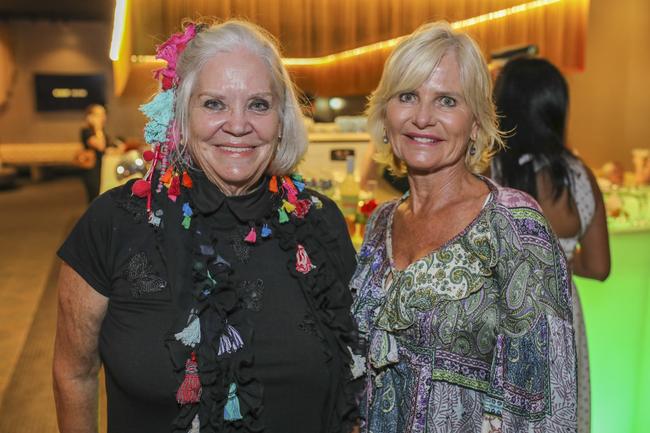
pixel 475 336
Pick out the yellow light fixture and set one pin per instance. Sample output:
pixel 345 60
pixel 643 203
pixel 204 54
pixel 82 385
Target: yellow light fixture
pixel 64 92
pixel 331 58
pixel 119 20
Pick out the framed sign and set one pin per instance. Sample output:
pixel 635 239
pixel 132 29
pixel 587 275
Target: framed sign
pixel 68 92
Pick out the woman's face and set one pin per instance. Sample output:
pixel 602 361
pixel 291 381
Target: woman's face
pixel 234 119
pixel 97 117
pixel 429 128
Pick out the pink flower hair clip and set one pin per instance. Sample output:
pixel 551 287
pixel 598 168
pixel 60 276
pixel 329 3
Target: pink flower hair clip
pixel 169 51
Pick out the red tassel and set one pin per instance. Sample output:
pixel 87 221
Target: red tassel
pixel 174 189
pixel 273 184
pixel 148 155
pixel 187 180
pixel 303 262
pixel 190 389
pixel 141 188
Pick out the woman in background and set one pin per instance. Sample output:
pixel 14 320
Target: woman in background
pixel 93 137
pixel 532 98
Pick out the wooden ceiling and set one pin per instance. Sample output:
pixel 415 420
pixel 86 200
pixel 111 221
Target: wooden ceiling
pixel 308 28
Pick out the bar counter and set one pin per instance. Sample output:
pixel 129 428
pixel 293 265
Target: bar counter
pixel 617 318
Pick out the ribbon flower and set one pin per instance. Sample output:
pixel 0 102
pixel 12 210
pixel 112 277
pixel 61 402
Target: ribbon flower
pixel 169 52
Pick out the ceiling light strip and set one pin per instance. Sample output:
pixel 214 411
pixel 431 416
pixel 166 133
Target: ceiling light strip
pixel 331 58
pixel 392 42
pixel 119 21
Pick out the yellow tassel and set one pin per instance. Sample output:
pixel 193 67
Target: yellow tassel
pixel 288 206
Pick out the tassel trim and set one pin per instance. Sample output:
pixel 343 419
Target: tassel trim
pixel 232 412
pixel 190 389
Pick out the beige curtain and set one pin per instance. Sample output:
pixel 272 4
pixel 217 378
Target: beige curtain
pixel 7 65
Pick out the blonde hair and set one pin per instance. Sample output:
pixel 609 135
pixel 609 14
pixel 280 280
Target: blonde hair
pixel 411 63
pixel 228 37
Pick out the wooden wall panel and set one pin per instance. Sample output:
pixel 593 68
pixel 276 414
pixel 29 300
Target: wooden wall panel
pixel 308 28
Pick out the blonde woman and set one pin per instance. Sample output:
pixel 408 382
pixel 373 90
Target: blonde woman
pixel 462 293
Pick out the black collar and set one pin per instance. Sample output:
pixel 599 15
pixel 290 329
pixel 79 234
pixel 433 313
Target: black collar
pixel 207 198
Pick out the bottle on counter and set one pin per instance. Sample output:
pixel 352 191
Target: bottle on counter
pixel 349 195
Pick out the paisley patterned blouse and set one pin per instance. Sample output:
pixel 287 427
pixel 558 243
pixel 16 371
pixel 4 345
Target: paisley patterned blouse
pixel 476 336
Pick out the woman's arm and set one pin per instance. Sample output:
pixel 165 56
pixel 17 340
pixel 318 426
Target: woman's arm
pixel 592 259
pixel 81 311
pixel 97 141
pixel 534 349
pixel 93 137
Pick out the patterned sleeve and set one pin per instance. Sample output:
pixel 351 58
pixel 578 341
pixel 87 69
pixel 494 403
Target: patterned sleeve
pixel 533 376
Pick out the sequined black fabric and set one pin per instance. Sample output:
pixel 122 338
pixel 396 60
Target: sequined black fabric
pixel 139 273
pixel 252 293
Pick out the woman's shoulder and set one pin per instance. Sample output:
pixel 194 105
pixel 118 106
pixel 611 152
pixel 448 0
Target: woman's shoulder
pixel 117 202
pixel 381 215
pixel 510 198
pixel 519 210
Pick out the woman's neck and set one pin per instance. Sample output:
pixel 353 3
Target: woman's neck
pixel 432 191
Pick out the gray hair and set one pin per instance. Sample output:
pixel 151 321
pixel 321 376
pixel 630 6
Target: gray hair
pixel 411 63
pixel 228 37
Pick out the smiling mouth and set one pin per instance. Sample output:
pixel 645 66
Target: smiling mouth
pixel 236 149
pixel 423 140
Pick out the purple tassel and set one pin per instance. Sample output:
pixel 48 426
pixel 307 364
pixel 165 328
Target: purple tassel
pixel 230 341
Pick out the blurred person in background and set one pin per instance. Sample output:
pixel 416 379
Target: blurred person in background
pixel 215 290
pixel 94 137
pixel 532 100
pixel 462 294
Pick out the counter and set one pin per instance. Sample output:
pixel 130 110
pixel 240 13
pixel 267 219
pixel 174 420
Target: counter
pixel 617 318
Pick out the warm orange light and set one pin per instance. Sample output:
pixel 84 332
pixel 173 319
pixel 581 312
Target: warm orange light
pixel 331 58
pixel 392 42
pixel 119 20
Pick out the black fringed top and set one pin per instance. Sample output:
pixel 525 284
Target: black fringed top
pixel 292 371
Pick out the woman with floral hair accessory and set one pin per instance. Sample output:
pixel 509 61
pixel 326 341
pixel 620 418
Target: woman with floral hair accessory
pixel 214 290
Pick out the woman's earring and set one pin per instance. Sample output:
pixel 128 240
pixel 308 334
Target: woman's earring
pixel 472 149
pixel 385 138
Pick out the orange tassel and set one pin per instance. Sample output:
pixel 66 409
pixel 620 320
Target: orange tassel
pixel 167 176
pixel 273 184
pixel 187 180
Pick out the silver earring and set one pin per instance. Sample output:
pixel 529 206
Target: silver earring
pixel 385 138
pixel 472 149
